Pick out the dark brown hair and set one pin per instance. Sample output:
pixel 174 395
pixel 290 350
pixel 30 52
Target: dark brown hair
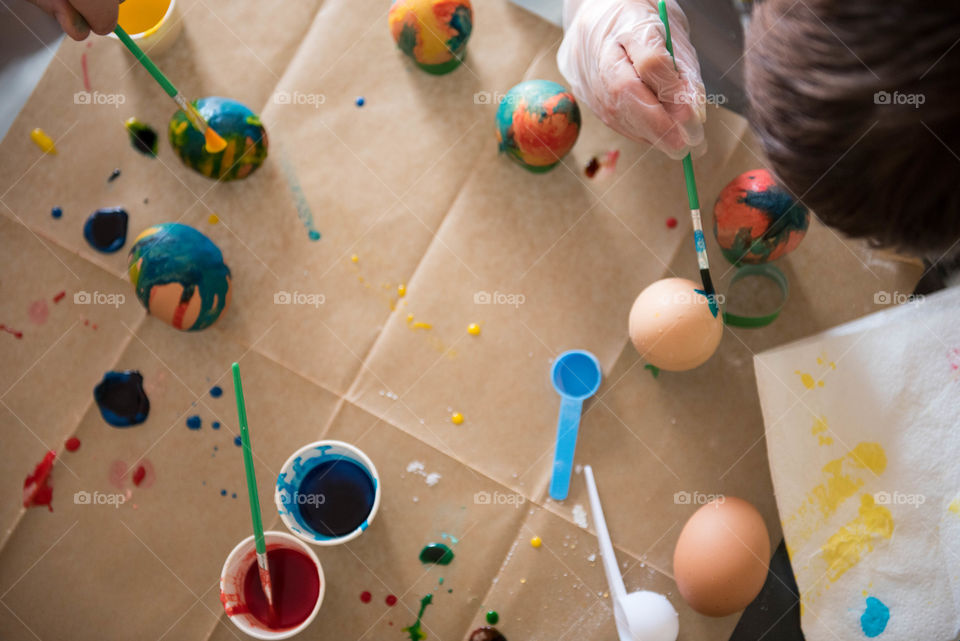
pixel 855 103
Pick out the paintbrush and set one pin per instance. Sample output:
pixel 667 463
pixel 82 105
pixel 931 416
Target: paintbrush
pixel 694 199
pixel 214 142
pixel 258 538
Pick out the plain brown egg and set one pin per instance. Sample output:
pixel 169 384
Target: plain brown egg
pixel 721 558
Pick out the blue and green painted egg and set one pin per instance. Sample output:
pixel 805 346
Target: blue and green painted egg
pixel 179 276
pixel 538 122
pixel 241 128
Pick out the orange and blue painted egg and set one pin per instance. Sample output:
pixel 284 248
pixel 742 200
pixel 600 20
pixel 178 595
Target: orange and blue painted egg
pixel 241 128
pixel 756 221
pixel 433 33
pixel 179 276
pixel 538 122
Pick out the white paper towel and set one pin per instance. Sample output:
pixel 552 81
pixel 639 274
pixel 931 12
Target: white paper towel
pixel 863 435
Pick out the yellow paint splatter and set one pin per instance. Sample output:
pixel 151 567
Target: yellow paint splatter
pixel 473 329
pixel 844 549
pixel 822 360
pixel 456 418
pixel 401 290
pixel 421 325
pixel 354 259
pixel 808 381
pixel 536 542
pixel 819 430
pixel 954 506
pixel 840 483
pixel 213 219
pixel 42 140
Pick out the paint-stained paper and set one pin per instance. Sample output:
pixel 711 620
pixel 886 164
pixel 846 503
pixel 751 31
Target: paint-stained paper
pixel 861 432
pixel 410 184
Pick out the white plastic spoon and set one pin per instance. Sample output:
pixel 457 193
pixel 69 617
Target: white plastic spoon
pixel 640 615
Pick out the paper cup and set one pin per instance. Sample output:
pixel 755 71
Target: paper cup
pixel 301 463
pixel 231 584
pixel 158 38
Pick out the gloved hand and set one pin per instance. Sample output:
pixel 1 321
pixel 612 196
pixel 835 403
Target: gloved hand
pixel 615 58
pixel 78 18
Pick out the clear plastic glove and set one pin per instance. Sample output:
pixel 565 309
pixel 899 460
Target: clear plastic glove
pixel 78 18
pixel 615 58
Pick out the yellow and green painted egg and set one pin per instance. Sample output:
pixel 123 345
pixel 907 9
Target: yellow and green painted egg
pixel 433 33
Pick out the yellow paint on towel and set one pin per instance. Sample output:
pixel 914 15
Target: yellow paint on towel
pixel 844 549
pixel 819 430
pixel 954 506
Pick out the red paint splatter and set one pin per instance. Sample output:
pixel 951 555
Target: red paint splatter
pixel 671 222
pixel 365 596
pixel 36 487
pixel 122 475
pixel 592 167
pixel 391 600
pixel 86 74
pixel 59 296
pixel 72 444
pixel 38 312
pixel 10 330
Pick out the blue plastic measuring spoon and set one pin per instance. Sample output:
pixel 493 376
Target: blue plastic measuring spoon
pixel 576 376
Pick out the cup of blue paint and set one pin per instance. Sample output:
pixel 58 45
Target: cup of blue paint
pixel 328 492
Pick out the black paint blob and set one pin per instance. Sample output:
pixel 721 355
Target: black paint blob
pixel 121 398
pixel 106 229
pixel 143 137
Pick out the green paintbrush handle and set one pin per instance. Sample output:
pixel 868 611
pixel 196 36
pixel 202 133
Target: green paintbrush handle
pixel 145 61
pixel 248 463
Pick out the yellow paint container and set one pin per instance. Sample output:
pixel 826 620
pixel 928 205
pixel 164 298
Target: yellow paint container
pixel 152 24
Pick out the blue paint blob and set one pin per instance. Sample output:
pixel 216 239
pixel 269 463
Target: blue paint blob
pixel 216 391
pixel 106 229
pixel 313 234
pixel 361 101
pixel 194 422
pixel 215 425
pixel 342 493
pixel 237 441
pixel 121 398
pixel 223 492
pixel 234 495
pixel 56 212
pixel 874 619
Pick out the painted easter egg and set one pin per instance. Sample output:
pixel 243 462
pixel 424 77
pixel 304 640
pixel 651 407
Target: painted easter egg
pixel 179 276
pixel 538 122
pixel 756 221
pixel 433 33
pixel 241 129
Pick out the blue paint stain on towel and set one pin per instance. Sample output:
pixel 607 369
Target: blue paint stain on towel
pixel 875 618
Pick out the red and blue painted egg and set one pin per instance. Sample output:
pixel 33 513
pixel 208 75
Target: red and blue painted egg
pixel 241 128
pixel 538 122
pixel 756 221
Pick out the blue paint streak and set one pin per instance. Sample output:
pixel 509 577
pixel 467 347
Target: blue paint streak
pixel 699 241
pixel 194 422
pixel 216 391
pixel 874 619
pixel 304 213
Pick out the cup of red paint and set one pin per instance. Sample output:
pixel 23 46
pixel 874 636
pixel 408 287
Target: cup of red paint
pixel 328 492
pixel 297 580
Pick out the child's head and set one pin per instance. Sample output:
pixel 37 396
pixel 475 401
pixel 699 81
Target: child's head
pixel 855 103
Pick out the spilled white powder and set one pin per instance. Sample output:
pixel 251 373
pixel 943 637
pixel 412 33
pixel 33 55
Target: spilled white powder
pixel 580 516
pixel 416 467
pixel 433 478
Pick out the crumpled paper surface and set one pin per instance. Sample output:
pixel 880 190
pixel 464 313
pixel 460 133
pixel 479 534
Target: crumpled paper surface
pixel 412 186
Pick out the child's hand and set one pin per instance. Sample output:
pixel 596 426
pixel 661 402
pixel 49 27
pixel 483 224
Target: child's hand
pixel 78 18
pixel 615 58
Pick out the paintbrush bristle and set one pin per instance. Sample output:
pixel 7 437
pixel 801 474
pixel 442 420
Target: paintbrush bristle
pixel 214 141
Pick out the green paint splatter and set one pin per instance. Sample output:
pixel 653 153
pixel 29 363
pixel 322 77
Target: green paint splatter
pixel 436 553
pixel 416 629
pixel 440 581
pixel 492 617
pixel 653 369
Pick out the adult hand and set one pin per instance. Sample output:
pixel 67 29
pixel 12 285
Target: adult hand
pixel 78 18
pixel 615 58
